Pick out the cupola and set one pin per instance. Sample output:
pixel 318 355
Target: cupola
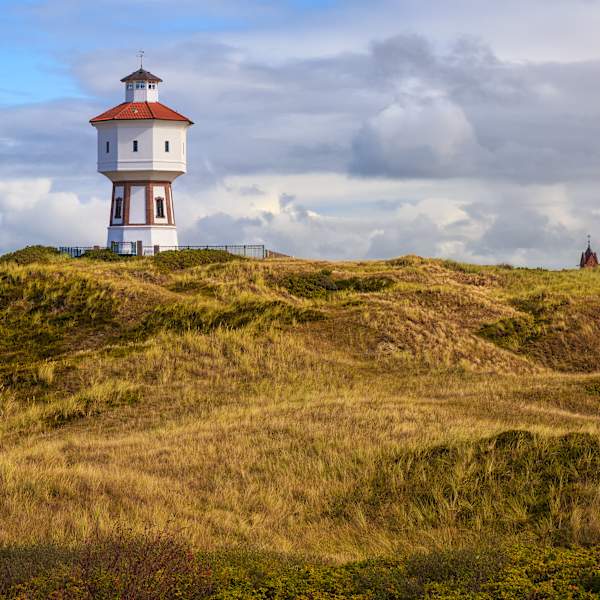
pixel 141 86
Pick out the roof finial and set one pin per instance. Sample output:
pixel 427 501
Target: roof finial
pixel 140 55
pixel 589 242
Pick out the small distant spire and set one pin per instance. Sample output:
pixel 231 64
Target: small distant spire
pixel 140 55
pixel 589 241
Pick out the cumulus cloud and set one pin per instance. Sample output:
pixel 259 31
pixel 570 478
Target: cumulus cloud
pixel 32 213
pixel 431 138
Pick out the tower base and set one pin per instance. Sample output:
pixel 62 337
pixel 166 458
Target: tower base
pixel 163 236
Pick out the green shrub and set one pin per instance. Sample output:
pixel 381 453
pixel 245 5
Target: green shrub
pixel 121 565
pixel 410 260
pixel 513 332
pixel 177 260
pixel 158 566
pixel 103 254
pixel 321 283
pixel 34 254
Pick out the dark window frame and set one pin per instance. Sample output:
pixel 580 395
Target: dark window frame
pixel 107 147
pixel 135 145
pixel 118 208
pixel 167 146
pixel 159 207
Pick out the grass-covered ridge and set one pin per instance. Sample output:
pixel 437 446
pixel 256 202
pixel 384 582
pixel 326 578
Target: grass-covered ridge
pixel 356 418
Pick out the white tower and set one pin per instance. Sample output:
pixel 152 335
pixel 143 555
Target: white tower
pixel 142 150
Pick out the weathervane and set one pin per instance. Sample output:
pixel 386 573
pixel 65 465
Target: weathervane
pixel 140 55
pixel 589 241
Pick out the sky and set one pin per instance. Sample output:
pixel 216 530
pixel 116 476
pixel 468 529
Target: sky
pixel 332 129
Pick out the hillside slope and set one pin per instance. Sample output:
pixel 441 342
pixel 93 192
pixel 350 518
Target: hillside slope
pixel 335 410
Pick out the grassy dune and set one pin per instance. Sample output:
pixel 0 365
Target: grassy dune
pixel 284 420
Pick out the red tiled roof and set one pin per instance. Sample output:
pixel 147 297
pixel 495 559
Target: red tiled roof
pixel 141 110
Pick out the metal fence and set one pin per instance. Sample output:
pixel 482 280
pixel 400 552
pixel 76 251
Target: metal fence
pixel 247 250
pixel 136 249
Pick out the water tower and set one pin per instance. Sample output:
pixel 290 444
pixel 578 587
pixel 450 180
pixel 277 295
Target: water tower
pixel 142 150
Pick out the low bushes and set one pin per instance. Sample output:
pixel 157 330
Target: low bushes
pixel 33 254
pixel 157 566
pixel 124 565
pixel 321 283
pixel 177 260
pixel 514 332
pixel 103 254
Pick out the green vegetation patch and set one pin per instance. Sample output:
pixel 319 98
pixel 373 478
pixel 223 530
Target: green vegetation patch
pixel 89 402
pixel 157 566
pixel 514 332
pixel 459 267
pixel 103 254
pixel 510 483
pixel 410 260
pixel 151 566
pixel 321 283
pixel 33 254
pixel 541 305
pixel 192 287
pixel 205 318
pixel 544 316
pixel 43 314
pixel 178 260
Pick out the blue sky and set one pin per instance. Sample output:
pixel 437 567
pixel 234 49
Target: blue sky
pixel 35 50
pixel 354 129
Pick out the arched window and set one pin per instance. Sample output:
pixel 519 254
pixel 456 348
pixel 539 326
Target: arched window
pixel 160 207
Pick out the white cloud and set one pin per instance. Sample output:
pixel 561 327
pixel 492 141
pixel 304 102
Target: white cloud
pixel 31 213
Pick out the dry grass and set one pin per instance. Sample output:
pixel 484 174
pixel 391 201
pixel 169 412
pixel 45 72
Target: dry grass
pixel 305 425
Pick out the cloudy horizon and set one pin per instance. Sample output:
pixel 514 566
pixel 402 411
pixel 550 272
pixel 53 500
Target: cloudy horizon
pixel 323 129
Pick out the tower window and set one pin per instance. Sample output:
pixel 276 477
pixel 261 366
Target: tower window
pixel 160 207
pixel 107 147
pixel 135 145
pixel 140 85
pixel 118 208
pixel 166 145
pixel 130 86
pixel 151 86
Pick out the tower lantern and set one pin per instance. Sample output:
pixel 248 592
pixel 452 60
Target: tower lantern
pixel 142 150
